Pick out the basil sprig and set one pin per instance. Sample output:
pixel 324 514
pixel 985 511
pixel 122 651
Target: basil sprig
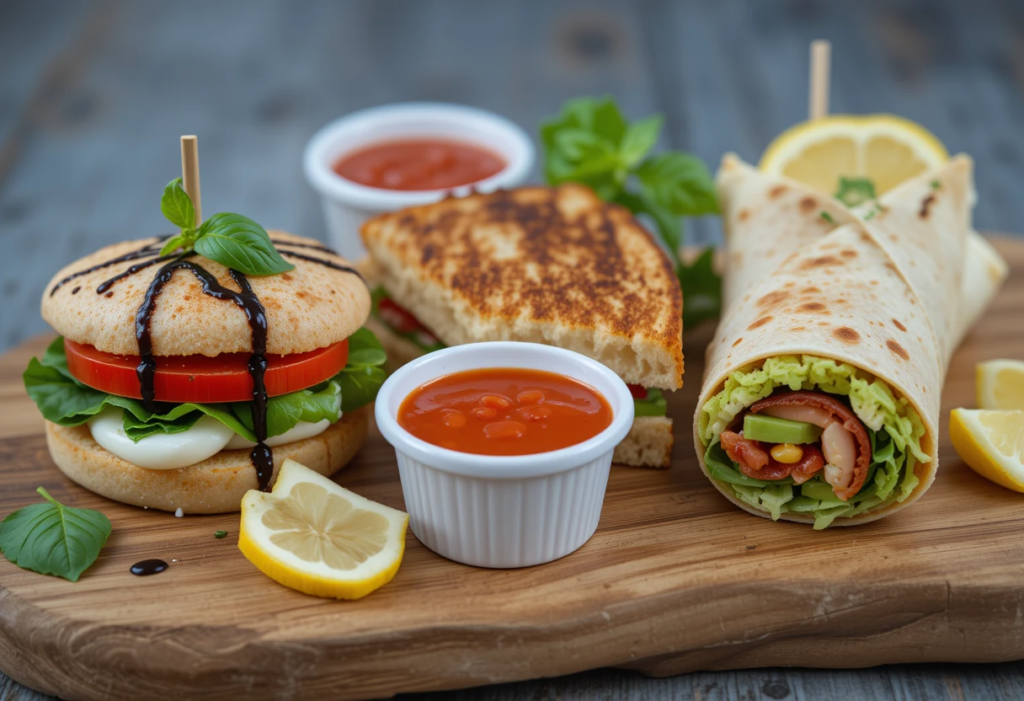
pixel 232 240
pixel 590 142
pixel 51 538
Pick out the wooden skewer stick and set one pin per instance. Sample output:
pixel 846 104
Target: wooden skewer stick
pixel 821 58
pixel 190 173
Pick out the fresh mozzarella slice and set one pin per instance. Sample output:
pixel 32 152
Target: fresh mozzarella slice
pixel 160 451
pixel 300 431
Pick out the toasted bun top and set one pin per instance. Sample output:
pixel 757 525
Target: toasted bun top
pixel 307 308
pixel 556 266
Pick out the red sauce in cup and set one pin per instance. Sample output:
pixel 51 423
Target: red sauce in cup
pixel 419 164
pixel 504 411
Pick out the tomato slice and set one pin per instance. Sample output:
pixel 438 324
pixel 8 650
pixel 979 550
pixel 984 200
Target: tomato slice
pixel 201 379
pixel 638 391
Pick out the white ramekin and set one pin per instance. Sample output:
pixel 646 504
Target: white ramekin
pixel 348 204
pixel 504 511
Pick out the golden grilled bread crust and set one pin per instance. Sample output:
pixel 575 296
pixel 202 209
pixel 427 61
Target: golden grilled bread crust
pixel 556 266
pixel 310 307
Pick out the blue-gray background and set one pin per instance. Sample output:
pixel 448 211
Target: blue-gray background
pixel 94 95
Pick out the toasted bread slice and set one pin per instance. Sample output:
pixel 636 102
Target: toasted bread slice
pixel 556 266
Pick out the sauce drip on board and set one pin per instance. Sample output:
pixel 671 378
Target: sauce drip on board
pixel 148 567
pixel 504 411
pixel 261 456
pixel 419 164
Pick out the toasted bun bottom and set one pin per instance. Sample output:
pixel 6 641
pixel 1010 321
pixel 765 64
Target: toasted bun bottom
pixel 213 486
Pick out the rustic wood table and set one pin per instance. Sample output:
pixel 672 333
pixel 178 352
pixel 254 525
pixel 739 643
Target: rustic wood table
pixel 93 97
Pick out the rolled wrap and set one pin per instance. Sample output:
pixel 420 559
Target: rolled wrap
pixel 881 288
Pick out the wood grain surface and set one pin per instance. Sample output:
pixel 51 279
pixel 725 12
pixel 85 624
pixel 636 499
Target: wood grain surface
pixel 675 580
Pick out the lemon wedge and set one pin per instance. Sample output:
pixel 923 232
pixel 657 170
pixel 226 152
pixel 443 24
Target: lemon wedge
pixel 313 536
pixel 1000 384
pixel 883 148
pixel 991 443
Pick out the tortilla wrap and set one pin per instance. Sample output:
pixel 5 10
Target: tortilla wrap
pixel 883 287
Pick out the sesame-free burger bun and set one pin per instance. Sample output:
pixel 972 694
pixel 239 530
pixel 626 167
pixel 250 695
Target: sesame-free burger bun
pixel 213 486
pixel 307 308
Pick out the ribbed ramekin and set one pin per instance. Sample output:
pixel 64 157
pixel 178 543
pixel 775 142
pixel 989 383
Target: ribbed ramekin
pixel 504 511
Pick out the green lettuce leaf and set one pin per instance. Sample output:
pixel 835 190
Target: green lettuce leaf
pixel 64 400
pixel 417 338
pixel 653 404
pixel 894 427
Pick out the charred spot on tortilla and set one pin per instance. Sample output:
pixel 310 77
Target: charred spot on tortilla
pixel 743 215
pixel 820 262
pixel 898 325
pixel 848 253
pixel 737 341
pixel 846 334
pixel 776 191
pixel 759 323
pixel 897 349
pixel 812 290
pixel 807 204
pixel 813 307
pixel 773 299
pixel 798 328
pixel 926 204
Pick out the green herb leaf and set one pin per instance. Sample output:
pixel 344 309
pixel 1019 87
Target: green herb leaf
pixel 176 242
pixel 827 217
pixel 359 386
pixel 240 243
pixel 177 205
pixel 640 139
pixel 219 534
pixel 702 290
pixel 51 538
pixel 855 191
pixel 680 182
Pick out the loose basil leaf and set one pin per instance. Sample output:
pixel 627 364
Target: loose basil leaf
pixel 137 429
pixel 239 243
pixel 177 205
pixel 51 538
pixel 680 182
pixel 639 139
pixel 359 386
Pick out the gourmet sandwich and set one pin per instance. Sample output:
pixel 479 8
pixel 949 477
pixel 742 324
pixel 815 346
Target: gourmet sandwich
pixel 556 266
pixel 189 368
pixel 821 400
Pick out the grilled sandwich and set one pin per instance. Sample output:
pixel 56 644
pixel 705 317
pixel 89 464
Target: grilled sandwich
pixel 556 266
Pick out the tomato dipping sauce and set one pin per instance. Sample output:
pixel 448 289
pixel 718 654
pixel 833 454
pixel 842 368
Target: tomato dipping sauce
pixel 504 411
pixel 419 164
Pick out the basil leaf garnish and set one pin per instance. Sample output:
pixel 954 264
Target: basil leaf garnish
pixel 240 243
pixel 177 205
pixel 51 538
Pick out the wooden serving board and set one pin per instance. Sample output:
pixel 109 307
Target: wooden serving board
pixel 675 580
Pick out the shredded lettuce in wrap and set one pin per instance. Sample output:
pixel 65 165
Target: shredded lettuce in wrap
pixel 893 425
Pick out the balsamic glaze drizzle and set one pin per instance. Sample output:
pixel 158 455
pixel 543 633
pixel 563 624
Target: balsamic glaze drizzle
pixel 326 263
pixel 148 251
pixel 261 456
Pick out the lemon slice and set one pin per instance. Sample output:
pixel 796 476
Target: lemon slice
pixel 1000 384
pixel 991 443
pixel 313 536
pixel 883 148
